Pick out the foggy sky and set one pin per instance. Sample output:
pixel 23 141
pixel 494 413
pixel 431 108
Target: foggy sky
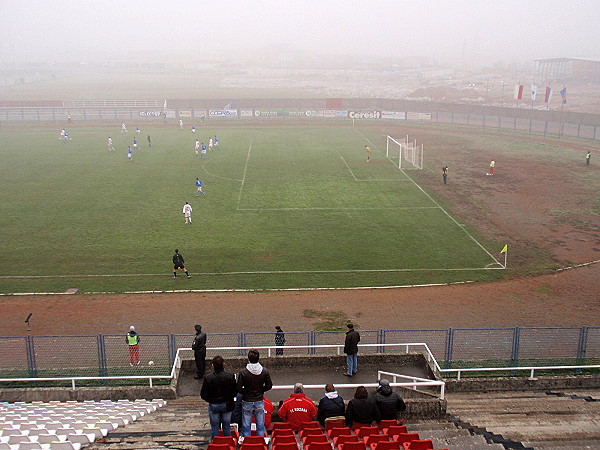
pixel 84 30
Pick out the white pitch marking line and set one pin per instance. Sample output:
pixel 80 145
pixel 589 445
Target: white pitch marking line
pixel 376 208
pixel 352 173
pixel 244 176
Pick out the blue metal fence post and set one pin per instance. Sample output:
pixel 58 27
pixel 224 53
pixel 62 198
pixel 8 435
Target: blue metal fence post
pixel 515 349
pixel 171 347
pixel 101 355
pixel 380 341
pixel 582 347
pixel 449 344
pixel 29 347
pixel 242 342
pixel 311 341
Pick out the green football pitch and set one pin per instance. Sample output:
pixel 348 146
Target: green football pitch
pixel 285 207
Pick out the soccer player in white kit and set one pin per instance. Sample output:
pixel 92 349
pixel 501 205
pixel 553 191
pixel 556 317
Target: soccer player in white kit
pixel 197 146
pixel 181 124
pixel 187 212
pixel 124 128
pixel 62 135
pixel 110 144
pixel 210 144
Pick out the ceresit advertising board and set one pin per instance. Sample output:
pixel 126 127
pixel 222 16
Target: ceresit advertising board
pixel 364 114
pixel 394 115
pixel 222 112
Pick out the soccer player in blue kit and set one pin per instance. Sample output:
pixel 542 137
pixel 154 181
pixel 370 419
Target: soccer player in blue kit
pixel 199 185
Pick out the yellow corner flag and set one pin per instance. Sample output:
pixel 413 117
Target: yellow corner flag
pixel 505 249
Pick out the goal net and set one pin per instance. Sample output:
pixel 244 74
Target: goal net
pixel 405 154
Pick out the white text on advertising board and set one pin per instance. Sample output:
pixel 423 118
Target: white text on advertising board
pixel 364 115
pixel 150 114
pixel 222 112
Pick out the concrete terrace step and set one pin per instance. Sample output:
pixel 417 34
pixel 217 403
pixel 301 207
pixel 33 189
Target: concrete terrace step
pixel 180 424
pixel 563 419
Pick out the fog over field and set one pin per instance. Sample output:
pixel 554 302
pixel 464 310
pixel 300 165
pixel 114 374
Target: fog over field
pixel 477 32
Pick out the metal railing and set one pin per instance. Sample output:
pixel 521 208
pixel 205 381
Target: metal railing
pixel 532 369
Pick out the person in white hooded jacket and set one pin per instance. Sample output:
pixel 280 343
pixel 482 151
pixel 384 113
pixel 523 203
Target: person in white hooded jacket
pixel 252 383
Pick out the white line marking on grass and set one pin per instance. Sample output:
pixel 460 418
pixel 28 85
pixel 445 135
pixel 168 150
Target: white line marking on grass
pixel 218 176
pixel 244 176
pixel 317 208
pixel 442 209
pixel 353 176
pixel 258 272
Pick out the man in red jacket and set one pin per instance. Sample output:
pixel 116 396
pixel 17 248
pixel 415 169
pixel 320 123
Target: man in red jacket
pixel 298 408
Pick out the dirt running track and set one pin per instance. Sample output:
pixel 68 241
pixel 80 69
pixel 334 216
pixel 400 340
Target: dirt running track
pixel 522 194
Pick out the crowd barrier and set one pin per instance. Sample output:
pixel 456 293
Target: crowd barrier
pixel 108 355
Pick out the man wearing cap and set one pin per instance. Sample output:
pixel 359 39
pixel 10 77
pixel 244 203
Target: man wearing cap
pixel 351 349
pixel 279 340
pixel 133 341
pixel 388 402
pixel 199 347
pixel 298 408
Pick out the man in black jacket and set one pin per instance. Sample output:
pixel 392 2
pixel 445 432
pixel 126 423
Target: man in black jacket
pixel 219 390
pixel 199 347
pixel 252 383
pixel 351 349
pixel 388 402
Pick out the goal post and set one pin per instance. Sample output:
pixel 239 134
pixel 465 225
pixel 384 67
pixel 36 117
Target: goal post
pixel 404 154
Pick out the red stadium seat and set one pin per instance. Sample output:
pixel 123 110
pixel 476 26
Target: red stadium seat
pixel 396 429
pixel 227 440
pixel 284 446
pixel 309 439
pixel 387 445
pixel 319 446
pixel 365 431
pixel 353 446
pixel 418 445
pixel 329 424
pixel 281 426
pixel 338 431
pixel 343 438
pixel 313 424
pixel 212 446
pixel 387 423
pixel 372 439
pixel 283 432
pixel 406 437
pixel 284 439
pixel 306 431
pixel 357 425
pixel 246 446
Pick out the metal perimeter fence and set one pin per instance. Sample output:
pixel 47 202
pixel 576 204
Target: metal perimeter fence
pixel 108 355
pixel 147 112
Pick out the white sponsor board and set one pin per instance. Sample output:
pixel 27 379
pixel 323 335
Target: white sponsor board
pixel 185 113
pixel 395 115
pixel 150 114
pixel 222 113
pixel 246 113
pixel 335 113
pixel 298 113
pixel 364 114
pixel 263 113
pixel 418 116
pixel 314 113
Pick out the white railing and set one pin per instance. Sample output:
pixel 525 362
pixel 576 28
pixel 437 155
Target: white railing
pixel 532 369
pixel 415 382
pixel 178 359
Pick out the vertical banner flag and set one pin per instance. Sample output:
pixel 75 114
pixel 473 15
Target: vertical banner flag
pixel 518 91
pixel 548 95
pixel 533 91
pixel 563 94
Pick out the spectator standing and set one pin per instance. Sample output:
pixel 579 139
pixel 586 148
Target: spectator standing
pixel 199 347
pixel 279 340
pixel 298 408
pixel 133 341
pixel 588 156
pixel 492 166
pixel 362 409
pixel 252 383
pixel 219 390
pixel 445 173
pixel 330 405
pixel 351 349
pixel 388 402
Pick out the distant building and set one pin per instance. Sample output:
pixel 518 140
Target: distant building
pixel 579 69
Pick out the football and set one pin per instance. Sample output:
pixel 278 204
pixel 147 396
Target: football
pixel 150 363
